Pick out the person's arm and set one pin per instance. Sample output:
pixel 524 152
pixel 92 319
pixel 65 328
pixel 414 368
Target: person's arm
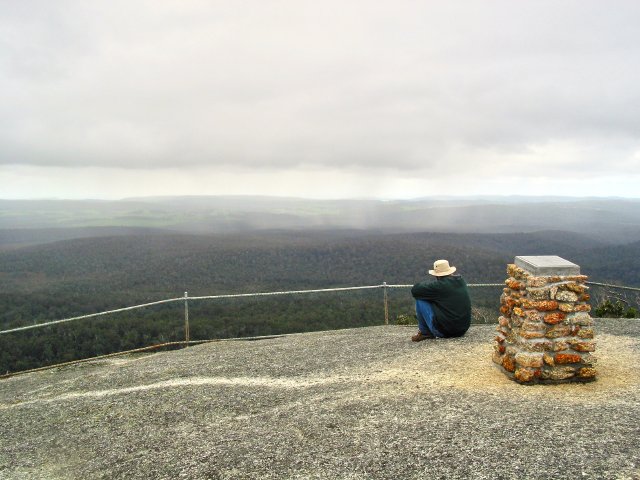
pixel 426 290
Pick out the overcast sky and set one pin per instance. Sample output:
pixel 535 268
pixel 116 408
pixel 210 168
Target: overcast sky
pixel 325 99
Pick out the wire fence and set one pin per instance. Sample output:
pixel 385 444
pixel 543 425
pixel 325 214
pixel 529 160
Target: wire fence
pixel 620 293
pixel 615 300
pixel 186 299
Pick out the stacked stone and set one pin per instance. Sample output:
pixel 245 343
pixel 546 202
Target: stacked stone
pixel 545 332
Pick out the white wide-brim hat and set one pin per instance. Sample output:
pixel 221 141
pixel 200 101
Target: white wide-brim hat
pixel 441 268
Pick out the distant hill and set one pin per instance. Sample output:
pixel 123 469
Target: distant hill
pixel 140 266
pixel 103 255
pixel 11 238
pixel 609 220
pixel 104 272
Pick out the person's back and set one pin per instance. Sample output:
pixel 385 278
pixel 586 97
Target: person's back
pixel 443 306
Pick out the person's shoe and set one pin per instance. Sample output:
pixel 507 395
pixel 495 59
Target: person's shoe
pixel 418 337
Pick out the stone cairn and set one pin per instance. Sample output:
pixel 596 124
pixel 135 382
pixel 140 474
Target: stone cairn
pixel 545 332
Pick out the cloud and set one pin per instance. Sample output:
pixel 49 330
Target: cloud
pixel 444 87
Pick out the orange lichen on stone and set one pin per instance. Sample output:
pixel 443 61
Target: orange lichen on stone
pixel 503 321
pixel 579 346
pixel 585 333
pixel 536 281
pixel 568 358
pixel 509 363
pixel 524 375
pixel 530 335
pixel 527 304
pixel 533 316
pixel 518 311
pixel 575 287
pixel 582 308
pixel 554 318
pixel 548 359
pixel 510 302
pixel 513 284
pixel 585 297
pixel 546 305
pixel 516 272
pixel 587 372
pixel 558 331
pixel 566 307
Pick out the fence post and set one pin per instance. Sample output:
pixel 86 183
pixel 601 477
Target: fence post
pixel 186 317
pixel 386 304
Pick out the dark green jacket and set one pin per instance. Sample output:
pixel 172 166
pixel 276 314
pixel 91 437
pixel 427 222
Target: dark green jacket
pixel 449 297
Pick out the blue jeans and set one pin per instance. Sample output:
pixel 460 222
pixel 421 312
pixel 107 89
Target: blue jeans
pixel 426 317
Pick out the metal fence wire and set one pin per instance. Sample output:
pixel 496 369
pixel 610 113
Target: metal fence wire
pixel 186 299
pixel 611 291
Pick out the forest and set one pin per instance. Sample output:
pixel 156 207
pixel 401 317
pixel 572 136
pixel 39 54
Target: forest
pixel 73 277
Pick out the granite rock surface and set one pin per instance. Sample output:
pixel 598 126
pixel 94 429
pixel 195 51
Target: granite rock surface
pixel 358 403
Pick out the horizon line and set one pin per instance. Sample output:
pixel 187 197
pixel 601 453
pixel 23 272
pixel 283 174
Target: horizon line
pixel 329 199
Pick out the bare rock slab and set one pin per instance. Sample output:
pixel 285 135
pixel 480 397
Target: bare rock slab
pixel 362 403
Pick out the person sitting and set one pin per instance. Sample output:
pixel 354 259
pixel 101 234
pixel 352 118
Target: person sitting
pixel 443 307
